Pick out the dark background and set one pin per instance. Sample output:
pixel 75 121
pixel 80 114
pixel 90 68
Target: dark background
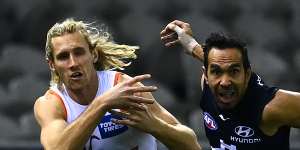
pixel 270 27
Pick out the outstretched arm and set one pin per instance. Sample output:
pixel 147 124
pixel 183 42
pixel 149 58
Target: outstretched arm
pixel 180 32
pixel 157 121
pixel 56 133
pixel 283 110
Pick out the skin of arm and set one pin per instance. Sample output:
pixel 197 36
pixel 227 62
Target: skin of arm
pixel 163 125
pixel 198 53
pixel 56 133
pixel 282 110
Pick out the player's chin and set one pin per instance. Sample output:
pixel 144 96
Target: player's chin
pixel 227 103
pixel 76 85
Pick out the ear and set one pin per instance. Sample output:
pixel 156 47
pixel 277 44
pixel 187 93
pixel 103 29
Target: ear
pixel 95 56
pixel 51 65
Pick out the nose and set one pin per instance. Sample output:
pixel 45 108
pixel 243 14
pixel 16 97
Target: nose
pixel 225 81
pixel 73 61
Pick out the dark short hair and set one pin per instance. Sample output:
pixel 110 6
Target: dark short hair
pixel 223 41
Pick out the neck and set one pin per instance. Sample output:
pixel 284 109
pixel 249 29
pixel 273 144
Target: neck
pixel 85 95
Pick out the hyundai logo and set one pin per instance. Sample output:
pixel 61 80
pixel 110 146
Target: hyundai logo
pixel 244 131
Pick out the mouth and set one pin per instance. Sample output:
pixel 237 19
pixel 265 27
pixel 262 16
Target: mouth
pixel 76 75
pixel 227 96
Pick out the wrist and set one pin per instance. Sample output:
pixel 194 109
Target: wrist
pixel 158 127
pixel 102 103
pixel 190 46
pixel 198 52
pixel 188 42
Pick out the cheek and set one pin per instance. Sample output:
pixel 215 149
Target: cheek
pixel 61 73
pixel 213 85
pixel 88 65
pixel 212 82
pixel 87 60
pixel 60 70
pixel 241 86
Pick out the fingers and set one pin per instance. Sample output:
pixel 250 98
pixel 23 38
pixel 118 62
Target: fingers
pixel 175 28
pixel 165 31
pixel 169 29
pixel 171 26
pixel 179 23
pixel 172 35
pixel 126 115
pixel 136 79
pixel 170 39
pixel 136 99
pixel 126 122
pixel 168 34
pixel 172 43
pixel 136 89
pixel 121 114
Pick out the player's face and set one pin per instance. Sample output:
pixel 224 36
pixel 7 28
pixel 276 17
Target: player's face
pixel 73 61
pixel 226 76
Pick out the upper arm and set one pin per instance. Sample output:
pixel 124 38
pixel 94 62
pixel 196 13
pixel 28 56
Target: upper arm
pixel 283 110
pixel 50 115
pixel 158 110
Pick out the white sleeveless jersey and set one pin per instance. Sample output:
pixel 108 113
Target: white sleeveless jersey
pixel 107 135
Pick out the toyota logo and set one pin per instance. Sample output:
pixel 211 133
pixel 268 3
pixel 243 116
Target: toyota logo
pixel 244 131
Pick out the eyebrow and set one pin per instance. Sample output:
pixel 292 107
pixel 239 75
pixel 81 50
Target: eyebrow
pixel 235 65
pixel 74 48
pixel 230 66
pixel 62 51
pixel 214 66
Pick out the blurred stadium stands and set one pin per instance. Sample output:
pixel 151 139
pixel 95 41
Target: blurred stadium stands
pixel 271 27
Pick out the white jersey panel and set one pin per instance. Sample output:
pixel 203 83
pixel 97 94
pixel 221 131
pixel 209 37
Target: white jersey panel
pixel 107 135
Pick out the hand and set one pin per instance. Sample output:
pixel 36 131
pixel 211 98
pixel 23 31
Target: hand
pixel 122 96
pixel 144 120
pixel 179 32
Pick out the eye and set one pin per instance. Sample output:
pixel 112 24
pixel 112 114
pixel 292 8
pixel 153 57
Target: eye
pixel 215 72
pixel 62 56
pixel 235 71
pixel 79 51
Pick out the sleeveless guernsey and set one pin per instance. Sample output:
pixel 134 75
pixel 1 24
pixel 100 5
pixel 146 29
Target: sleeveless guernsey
pixel 107 135
pixel 238 129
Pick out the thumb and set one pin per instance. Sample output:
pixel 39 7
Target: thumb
pixel 178 30
pixel 175 28
pixel 171 26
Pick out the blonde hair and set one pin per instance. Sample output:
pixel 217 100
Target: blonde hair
pixel 111 55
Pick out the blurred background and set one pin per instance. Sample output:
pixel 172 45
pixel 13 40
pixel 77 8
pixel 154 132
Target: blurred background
pixel 270 27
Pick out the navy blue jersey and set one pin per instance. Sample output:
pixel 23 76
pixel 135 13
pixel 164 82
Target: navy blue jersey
pixel 238 129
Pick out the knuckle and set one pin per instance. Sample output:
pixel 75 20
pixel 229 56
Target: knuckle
pixel 127 90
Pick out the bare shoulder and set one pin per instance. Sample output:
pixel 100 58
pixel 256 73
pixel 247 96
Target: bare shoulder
pixel 47 108
pixel 121 77
pixel 284 102
pixel 282 110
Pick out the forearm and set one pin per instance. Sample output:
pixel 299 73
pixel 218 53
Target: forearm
pixel 77 133
pixel 176 137
pixel 198 53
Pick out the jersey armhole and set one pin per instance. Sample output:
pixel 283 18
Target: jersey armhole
pixel 117 78
pixel 61 102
